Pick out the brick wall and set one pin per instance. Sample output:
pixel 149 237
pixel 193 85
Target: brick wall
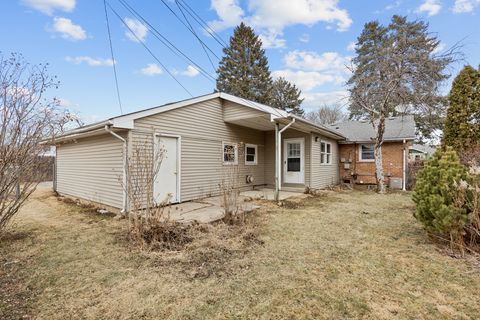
pixel 392 153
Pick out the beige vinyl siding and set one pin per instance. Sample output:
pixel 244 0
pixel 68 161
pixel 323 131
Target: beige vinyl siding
pixel 270 154
pixel 323 175
pixel 233 111
pixel 91 169
pixel 203 130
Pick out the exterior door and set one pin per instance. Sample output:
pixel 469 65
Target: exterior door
pixel 167 179
pixel 294 160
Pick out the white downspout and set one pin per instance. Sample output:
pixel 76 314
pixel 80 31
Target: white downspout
pixel 124 174
pixel 404 183
pixel 278 167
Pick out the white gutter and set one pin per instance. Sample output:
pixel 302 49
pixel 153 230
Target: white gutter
pixel 404 183
pixel 124 175
pixel 278 162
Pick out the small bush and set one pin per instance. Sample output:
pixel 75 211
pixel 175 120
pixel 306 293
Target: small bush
pixel 435 193
pixel 448 201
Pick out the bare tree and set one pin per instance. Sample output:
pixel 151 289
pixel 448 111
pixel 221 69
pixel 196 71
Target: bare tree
pixel 396 65
pixel 327 114
pixel 26 117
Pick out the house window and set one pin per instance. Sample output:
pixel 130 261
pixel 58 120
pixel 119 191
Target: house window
pixel 230 153
pixel 325 153
pixel 251 154
pixel 366 152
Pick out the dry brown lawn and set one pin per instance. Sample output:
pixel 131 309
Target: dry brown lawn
pixel 345 255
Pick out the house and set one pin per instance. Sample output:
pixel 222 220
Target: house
pixel 201 137
pixel 420 152
pixel 357 164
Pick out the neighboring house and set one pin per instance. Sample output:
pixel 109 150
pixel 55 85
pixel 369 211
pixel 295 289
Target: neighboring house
pixel 357 164
pixel 420 152
pixel 201 137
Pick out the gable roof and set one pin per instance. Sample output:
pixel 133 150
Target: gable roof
pixel 426 149
pixel 396 129
pixel 126 121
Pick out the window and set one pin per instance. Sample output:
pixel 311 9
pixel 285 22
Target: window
pixel 366 152
pixel 230 153
pixel 294 150
pixel 325 153
pixel 250 154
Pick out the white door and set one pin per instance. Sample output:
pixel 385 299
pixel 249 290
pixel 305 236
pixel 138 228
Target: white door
pixel 167 179
pixel 293 160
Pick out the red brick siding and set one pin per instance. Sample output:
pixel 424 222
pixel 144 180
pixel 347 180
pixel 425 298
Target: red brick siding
pixel 392 154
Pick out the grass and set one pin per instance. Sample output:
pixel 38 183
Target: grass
pixel 344 255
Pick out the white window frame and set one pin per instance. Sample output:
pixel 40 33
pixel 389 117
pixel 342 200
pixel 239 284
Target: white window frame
pixel 326 155
pixel 254 162
pixel 227 163
pixel 360 158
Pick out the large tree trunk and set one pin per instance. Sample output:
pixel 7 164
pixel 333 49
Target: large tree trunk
pixel 378 154
pixel 379 169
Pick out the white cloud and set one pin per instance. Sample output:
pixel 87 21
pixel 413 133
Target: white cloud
pixel 313 100
pixel 430 7
pixel 305 38
pixel 351 46
pixel 439 48
pixel 138 28
pixel 49 6
pixel 308 80
pixel 67 29
pixel 464 6
pixel 331 62
pixel 191 71
pixel 270 17
pixel 272 39
pixel 228 11
pixel 279 14
pixel 310 70
pixel 90 61
pixel 151 69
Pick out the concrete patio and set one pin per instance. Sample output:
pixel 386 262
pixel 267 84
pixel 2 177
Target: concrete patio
pixel 210 209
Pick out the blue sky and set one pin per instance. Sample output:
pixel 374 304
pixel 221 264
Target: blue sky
pixel 307 41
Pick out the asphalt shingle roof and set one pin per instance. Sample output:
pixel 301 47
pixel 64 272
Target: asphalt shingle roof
pixel 396 128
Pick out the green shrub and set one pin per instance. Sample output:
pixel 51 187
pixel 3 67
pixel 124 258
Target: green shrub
pixel 436 195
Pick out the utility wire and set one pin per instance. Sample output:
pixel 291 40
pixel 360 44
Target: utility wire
pixel 180 19
pixel 193 31
pixel 165 41
pixel 203 24
pixel 113 58
pixel 148 49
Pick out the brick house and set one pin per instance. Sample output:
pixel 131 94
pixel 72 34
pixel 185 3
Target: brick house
pixel 356 158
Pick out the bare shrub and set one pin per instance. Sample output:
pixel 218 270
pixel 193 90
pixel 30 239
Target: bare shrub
pixel 150 225
pixel 26 118
pixel 230 192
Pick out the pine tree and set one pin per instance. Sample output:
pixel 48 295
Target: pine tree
pixel 462 127
pixel 394 66
pixel 286 96
pixel 435 193
pixel 243 71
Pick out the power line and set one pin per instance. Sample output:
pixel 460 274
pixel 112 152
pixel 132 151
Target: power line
pixel 192 30
pixel 148 49
pixel 203 24
pixel 165 41
pixel 180 19
pixel 113 58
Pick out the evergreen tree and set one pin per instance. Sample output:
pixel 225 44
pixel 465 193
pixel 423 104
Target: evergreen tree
pixel 394 66
pixel 243 71
pixel 435 193
pixel 286 96
pixel 462 127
